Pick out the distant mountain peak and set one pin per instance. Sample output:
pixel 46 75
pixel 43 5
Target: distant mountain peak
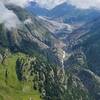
pixel 35 8
pixel 49 4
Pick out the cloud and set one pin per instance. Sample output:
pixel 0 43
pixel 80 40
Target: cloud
pixel 83 4
pixel 21 3
pixel 49 3
pixel 8 18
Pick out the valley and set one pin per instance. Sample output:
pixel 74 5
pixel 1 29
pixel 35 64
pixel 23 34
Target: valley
pixel 49 54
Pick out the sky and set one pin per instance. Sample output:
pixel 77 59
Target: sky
pixel 21 3
pixel 83 4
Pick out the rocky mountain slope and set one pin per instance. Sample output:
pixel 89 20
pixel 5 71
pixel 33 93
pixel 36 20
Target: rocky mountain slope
pixel 26 54
pixel 44 59
pixel 84 60
pixel 87 38
pixel 59 29
pixel 25 77
pixel 65 12
pixel 29 36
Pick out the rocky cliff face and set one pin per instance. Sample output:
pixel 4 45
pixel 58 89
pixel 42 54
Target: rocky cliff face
pixel 30 36
pixel 84 60
pixel 86 39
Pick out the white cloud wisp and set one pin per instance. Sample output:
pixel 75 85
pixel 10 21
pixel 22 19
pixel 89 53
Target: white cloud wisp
pixel 8 18
pixel 83 4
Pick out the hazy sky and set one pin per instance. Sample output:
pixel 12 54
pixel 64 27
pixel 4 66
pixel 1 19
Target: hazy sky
pixel 52 3
pixel 84 4
pixel 16 2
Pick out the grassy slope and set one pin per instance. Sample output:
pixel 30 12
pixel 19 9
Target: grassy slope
pixel 10 87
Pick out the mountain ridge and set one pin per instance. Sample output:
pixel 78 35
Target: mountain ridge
pixel 51 58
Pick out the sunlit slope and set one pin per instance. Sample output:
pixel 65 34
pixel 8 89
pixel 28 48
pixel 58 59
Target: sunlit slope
pixel 10 87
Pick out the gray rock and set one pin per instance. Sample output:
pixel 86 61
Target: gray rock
pixel 1 58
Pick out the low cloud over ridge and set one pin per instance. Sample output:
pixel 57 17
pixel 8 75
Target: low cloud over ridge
pixel 8 17
pixel 83 4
